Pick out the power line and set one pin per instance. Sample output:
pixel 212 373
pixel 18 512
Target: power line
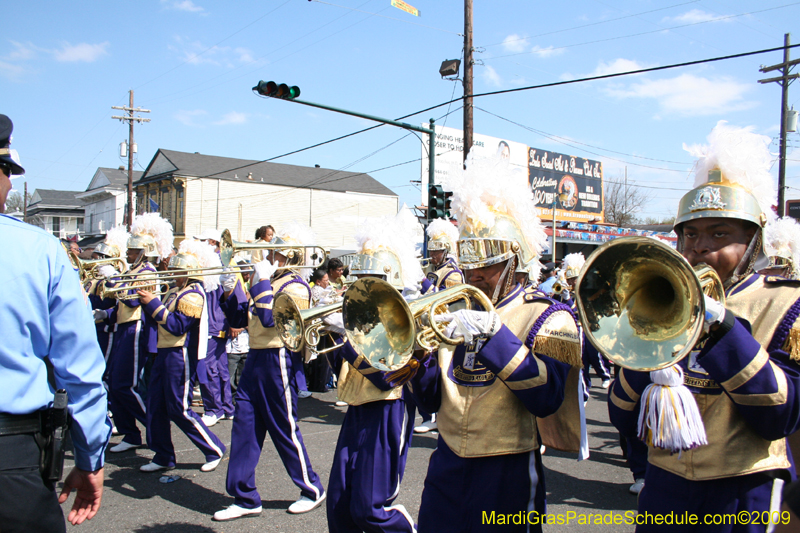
pixel 651 31
pixel 393 18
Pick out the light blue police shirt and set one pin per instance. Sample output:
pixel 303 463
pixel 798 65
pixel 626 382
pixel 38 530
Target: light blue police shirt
pixel 43 313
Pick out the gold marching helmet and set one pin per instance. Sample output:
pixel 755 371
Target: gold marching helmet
pixel 496 217
pixel 196 258
pixel 442 235
pixel 572 265
pixel 782 246
pixel 115 243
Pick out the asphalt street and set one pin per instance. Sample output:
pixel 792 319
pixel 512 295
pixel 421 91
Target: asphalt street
pixel 138 502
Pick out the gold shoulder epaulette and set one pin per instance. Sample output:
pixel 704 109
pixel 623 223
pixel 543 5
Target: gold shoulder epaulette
pixel 559 338
pixel 780 279
pixel 191 305
pixel 531 293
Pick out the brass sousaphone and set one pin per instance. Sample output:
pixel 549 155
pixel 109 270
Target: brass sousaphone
pixel 641 304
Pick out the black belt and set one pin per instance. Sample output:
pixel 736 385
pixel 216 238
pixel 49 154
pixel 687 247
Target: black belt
pixel 20 424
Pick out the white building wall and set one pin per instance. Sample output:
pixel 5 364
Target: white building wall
pixel 244 207
pixel 106 213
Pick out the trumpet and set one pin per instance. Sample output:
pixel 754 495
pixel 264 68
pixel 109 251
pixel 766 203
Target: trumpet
pixel 89 269
pixel 641 304
pixel 228 248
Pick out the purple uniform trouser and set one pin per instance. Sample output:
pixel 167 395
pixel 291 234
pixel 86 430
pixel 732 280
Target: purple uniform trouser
pixel 368 467
pixel 665 493
pixel 267 402
pixel 458 491
pixel 125 365
pixel 215 386
pixel 169 399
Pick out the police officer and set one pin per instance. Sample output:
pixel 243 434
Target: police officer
pixel 43 316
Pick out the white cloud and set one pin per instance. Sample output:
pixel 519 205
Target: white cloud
pixel 85 52
pixel 187 117
pixel 234 117
pixel 196 53
pixel 690 95
pixel 183 5
pixel 696 15
pixel 22 52
pixel 491 76
pixel 515 43
pixel 617 66
pixel 546 52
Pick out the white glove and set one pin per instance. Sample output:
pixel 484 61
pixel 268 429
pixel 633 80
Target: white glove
pixel 263 270
pixel 107 271
pixel 334 323
pixel 228 280
pixel 565 295
pixel 100 314
pixel 467 324
pixel 715 313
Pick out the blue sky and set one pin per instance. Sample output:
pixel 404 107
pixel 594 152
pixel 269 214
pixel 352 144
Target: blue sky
pixel 193 64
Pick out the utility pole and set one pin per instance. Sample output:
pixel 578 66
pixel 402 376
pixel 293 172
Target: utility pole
pixel 25 204
pixel 130 119
pixel 783 80
pixel 468 63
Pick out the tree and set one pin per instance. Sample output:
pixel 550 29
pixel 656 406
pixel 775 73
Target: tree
pixel 15 202
pixel 622 201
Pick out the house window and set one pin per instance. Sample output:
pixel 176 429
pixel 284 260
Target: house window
pixel 180 211
pixel 56 225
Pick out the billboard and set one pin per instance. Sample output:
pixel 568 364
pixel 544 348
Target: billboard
pixel 578 180
pixel 549 173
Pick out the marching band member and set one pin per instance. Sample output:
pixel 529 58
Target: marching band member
pixel 782 246
pixel 443 270
pixel 514 384
pixel 267 395
pixel 212 371
pixel 743 375
pixel 570 268
pixel 182 326
pixel 114 245
pixel 372 448
pixel 135 336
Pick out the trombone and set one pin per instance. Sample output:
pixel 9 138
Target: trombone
pixel 89 269
pixel 145 281
pixel 228 248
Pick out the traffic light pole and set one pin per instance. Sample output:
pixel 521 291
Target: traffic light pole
pixel 430 131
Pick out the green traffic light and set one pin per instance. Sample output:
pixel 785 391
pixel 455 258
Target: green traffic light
pixel 273 90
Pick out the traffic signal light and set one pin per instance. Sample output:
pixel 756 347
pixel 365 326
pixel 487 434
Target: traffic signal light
pixel 438 202
pixel 272 89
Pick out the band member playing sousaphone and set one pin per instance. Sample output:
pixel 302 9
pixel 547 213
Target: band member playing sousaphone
pixel 742 376
pixel 515 377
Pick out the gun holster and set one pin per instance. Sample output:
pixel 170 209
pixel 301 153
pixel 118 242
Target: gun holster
pixel 52 438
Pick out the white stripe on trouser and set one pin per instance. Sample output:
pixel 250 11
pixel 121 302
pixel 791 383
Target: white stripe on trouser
pixel 200 427
pixel 136 366
pixel 775 503
pixel 110 342
pixel 534 477
pixel 401 508
pixel 287 395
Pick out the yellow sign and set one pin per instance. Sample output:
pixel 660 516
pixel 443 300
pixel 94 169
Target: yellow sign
pixel 399 4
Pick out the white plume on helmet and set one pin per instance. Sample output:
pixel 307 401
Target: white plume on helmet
pixel 742 156
pixel 160 229
pixel 294 232
pixel 572 264
pixel 206 257
pixel 490 186
pixel 782 239
pixel 118 237
pixel 399 234
pixel 440 228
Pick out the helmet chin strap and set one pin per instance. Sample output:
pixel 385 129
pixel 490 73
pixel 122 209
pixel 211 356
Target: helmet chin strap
pixel 506 280
pixel 746 265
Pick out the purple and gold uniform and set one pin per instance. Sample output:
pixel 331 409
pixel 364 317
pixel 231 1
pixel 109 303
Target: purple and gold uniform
pixel 213 375
pixel 134 335
pixel 169 396
pixel 105 330
pixel 494 399
pixel 372 449
pixel 746 382
pixel 445 275
pixel 267 395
